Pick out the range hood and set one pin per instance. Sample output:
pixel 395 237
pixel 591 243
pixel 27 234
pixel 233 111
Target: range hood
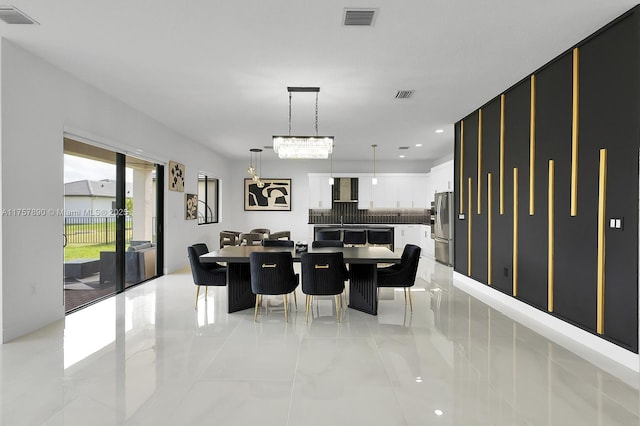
pixel 345 190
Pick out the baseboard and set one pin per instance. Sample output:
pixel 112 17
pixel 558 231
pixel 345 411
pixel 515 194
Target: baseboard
pixel 586 345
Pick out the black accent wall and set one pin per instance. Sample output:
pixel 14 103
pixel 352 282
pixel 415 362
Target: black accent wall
pixel 608 118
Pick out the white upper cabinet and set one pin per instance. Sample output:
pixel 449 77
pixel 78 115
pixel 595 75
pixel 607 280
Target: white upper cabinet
pixel 364 192
pixel 441 178
pixel 319 191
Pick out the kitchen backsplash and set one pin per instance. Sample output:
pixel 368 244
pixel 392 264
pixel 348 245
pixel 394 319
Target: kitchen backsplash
pixel 349 213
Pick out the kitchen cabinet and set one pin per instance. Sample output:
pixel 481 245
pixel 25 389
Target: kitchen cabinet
pixel 441 178
pixel 394 190
pixel 426 243
pixel 406 234
pixel 319 191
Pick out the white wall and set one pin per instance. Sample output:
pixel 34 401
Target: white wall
pixel 39 102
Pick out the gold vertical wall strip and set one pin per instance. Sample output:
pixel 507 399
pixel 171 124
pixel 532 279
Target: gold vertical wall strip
pixel 602 195
pixel 515 231
pixel 532 145
pixel 489 229
pixel 469 216
pixel 550 239
pixel 461 166
pixel 479 159
pixel 502 100
pixel 574 134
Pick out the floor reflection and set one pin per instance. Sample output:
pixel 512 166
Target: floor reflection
pixel 148 357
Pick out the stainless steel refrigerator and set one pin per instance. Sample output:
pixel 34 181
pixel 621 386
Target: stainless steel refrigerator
pixel 442 227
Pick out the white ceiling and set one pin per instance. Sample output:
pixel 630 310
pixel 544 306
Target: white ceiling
pixel 217 71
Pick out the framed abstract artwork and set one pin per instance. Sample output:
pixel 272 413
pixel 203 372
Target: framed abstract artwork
pixel 190 206
pixel 275 195
pixel 176 176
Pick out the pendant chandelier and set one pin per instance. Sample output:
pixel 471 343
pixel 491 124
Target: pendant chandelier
pixel 303 147
pixel 254 171
pixel 374 179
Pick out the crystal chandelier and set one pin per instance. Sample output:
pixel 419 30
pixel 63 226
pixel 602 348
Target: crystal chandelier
pixel 303 147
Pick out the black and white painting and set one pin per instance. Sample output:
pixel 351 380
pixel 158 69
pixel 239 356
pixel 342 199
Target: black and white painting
pixel 275 195
pixel 176 176
pixel 191 206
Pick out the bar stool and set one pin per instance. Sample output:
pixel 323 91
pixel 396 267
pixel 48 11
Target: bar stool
pixel 328 234
pixel 379 237
pixel 355 237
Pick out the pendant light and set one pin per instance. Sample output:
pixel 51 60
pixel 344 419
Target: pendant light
pixel 374 179
pixel 331 180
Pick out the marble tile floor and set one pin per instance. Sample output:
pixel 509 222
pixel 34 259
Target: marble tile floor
pixel 147 357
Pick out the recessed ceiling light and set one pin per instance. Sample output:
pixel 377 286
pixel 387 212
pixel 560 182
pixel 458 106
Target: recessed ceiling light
pixel 439 131
pixel 438 412
pixel 418 144
pixel 401 156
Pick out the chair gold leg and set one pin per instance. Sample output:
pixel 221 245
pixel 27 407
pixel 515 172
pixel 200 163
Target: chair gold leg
pixel 255 313
pixel 286 308
pixel 308 305
pixel 410 300
pixel 197 294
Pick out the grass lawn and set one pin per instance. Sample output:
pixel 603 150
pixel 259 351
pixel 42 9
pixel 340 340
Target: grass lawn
pixel 85 251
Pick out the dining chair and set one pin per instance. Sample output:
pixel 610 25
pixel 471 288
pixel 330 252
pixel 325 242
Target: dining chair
pixel 272 274
pixel 278 243
pixel 264 231
pixel 250 239
pixel 323 274
pixel 402 274
pixel 229 238
pixel 327 243
pixel 205 274
pixel 279 235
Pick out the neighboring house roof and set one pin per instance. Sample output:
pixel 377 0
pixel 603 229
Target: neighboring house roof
pixel 94 188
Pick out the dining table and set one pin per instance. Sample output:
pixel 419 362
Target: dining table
pixel 362 263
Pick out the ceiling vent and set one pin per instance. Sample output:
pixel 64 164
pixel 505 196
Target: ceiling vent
pixel 11 15
pixel 404 94
pixel 403 147
pixel 359 17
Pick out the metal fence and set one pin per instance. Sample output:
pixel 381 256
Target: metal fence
pixel 94 229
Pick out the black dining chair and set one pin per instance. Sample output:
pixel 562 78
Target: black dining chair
pixel 205 274
pixel 323 274
pixel 327 243
pixel 272 274
pixel 402 274
pixel 278 243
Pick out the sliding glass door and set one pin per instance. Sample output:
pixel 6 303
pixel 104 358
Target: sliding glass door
pixel 113 226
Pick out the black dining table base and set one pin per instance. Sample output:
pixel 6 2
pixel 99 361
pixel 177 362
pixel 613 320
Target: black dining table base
pixel 240 296
pixel 362 290
pixel 363 295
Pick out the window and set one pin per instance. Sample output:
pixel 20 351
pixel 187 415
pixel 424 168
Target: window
pixel 207 199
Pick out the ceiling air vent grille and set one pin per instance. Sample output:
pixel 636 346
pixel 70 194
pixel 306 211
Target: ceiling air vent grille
pixel 404 94
pixel 11 15
pixel 403 147
pixel 359 17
